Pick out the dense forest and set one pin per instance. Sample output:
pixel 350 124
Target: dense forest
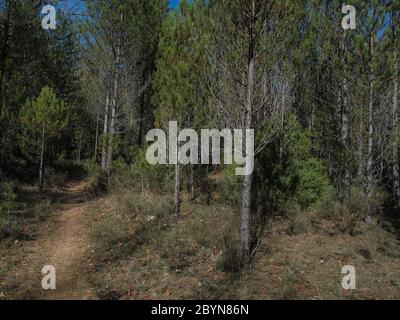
pixel 77 103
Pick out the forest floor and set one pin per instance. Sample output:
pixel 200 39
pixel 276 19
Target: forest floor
pixel 133 256
pixel 61 241
pixel 126 246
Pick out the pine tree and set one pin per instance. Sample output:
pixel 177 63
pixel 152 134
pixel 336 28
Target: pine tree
pixel 42 119
pixel 180 63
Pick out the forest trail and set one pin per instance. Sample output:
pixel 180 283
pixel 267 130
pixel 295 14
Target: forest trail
pixel 64 246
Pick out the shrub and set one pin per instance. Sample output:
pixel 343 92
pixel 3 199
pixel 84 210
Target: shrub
pixel 313 183
pixel 298 223
pixel 98 182
pixel 7 204
pixel 114 239
pixel 136 220
pixel 376 240
pixel 42 210
pixel 91 167
pixel 175 249
pixel 147 176
pixel 289 171
pixel 231 259
pixel 53 178
pixel 345 214
pixel 229 185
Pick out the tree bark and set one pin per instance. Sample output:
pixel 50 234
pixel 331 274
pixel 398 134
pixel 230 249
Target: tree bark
pixel 4 48
pixel 370 126
pixel 41 165
pixel 283 103
pixel 343 107
pixel 105 133
pixel 114 104
pixel 111 135
pixel 247 180
pixel 177 189
pixel 191 183
pixel 395 150
pixel 96 140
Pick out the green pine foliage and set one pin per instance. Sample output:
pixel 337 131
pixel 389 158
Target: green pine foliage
pixel 42 121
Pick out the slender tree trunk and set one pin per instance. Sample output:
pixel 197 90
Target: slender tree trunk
pixel 105 134
pixel 370 144
pixel 283 102
pixel 191 182
pixel 111 137
pixel 360 151
pixel 395 150
pixel 41 165
pixel 343 107
pixel 370 126
pixel 4 48
pixel 79 148
pixel 96 140
pixel 247 180
pixel 142 101
pixel 177 189
pixel 114 105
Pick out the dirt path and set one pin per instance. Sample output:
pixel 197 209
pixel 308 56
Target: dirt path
pixel 64 246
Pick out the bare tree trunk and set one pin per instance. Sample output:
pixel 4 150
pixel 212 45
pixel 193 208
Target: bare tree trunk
pixel 142 101
pixel 370 126
pixel 111 136
pixel 395 151
pixel 96 140
pixel 191 183
pixel 247 180
pixel 41 166
pixel 105 133
pixel 177 189
pixel 114 105
pixel 343 107
pixel 344 97
pixel 4 47
pixel 283 102
pixel 79 148
pixel 360 151
pixel 311 121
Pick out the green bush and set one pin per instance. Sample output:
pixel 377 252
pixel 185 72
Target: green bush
pixel 312 182
pixel 98 182
pixel 91 167
pixel 139 175
pixel 146 176
pixel 345 214
pixel 287 171
pixel 302 174
pixel 229 185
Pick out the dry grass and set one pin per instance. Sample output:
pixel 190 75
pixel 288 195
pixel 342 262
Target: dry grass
pixel 138 250
pixel 184 258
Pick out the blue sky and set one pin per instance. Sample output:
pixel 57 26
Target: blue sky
pixel 173 3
